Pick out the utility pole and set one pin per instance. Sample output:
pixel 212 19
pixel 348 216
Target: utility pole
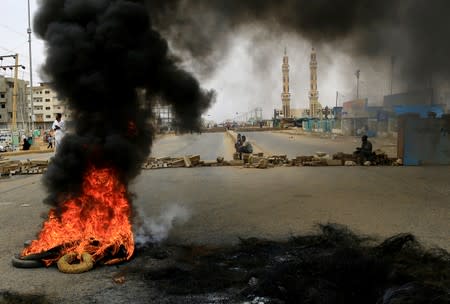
pixel 392 71
pixel 337 96
pixel 15 67
pixel 31 68
pixel 14 109
pixel 357 83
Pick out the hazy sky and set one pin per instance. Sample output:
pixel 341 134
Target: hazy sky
pixel 248 77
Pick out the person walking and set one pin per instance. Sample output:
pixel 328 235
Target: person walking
pixel 50 140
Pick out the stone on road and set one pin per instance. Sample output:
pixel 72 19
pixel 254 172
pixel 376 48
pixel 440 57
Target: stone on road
pixel 293 145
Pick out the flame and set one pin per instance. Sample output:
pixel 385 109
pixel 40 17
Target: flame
pixel 97 222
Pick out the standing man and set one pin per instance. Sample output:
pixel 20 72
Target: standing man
pixel 59 128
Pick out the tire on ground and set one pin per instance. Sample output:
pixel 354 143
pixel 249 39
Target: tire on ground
pixel 65 263
pixel 21 263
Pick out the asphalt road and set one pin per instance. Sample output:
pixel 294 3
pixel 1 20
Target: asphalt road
pixel 211 145
pixel 219 205
pixel 208 145
pixel 293 145
pixel 37 156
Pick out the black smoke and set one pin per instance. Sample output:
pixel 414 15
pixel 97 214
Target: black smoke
pixel 105 57
pixel 410 31
pixel 100 53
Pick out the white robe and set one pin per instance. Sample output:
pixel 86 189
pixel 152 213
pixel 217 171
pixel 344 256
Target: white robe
pixel 59 133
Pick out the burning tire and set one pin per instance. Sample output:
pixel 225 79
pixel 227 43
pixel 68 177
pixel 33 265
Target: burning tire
pixel 66 263
pixel 19 262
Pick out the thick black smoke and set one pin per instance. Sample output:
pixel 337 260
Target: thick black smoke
pixel 111 65
pixel 412 31
pixel 100 52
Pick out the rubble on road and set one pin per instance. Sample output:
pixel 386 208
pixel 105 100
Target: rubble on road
pixel 257 160
pixel 14 167
pixel 260 161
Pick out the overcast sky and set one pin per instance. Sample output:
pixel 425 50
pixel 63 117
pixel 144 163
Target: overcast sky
pixel 248 77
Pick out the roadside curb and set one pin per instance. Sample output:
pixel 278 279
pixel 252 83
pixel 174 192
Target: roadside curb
pixel 21 152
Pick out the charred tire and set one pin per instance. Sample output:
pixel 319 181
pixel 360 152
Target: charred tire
pixel 37 256
pixel 65 263
pixel 20 263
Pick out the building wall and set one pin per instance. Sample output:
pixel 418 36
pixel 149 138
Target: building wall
pixel 297 113
pixel 163 116
pixel 6 103
pixel 46 104
pixel 424 141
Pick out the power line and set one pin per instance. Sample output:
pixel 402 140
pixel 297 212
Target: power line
pixel 12 30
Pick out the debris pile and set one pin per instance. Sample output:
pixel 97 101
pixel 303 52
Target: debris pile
pixel 260 161
pixel 332 266
pixel 13 167
pixel 247 160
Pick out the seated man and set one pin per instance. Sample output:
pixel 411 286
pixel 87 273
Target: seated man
pixel 245 147
pixel 238 143
pixel 365 152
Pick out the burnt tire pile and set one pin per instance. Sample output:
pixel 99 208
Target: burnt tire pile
pixel 334 266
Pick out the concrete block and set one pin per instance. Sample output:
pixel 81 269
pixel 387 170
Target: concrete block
pixel 334 162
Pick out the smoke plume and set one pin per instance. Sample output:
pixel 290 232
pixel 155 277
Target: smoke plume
pixel 106 58
pixel 151 230
pixel 409 31
pixel 101 54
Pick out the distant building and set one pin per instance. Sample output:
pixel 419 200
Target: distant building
pixel 164 117
pixel 315 108
pixel 285 95
pixel 46 104
pixel 6 103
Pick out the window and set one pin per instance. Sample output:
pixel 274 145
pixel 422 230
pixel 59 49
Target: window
pixel 47 92
pixel 47 99
pixel 47 116
pixel 3 105
pixel 2 95
pixel 47 108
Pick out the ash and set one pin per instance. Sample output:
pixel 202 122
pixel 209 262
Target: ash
pixel 332 266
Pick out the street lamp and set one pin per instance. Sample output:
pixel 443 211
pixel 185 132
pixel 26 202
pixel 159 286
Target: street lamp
pixel 31 68
pixel 392 71
pixel 357 83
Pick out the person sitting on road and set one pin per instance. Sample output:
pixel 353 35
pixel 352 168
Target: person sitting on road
pixel 364 153
pixel 238 142
pixel 246 146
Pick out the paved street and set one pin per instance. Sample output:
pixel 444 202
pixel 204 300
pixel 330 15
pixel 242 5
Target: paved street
pixel 225 203
pixel 37 156
pixel 294 145
pixel 219 205
pixel 208 145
